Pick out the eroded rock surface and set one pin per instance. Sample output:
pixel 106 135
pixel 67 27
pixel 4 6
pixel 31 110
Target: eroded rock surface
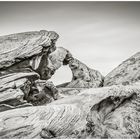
pixel 23 60
pixel 16 47
pixel 28 60
pixel 33 107
pixel 42 93
pixel 126 73
pixel 83 76
pixel 108 112
pixel 57 58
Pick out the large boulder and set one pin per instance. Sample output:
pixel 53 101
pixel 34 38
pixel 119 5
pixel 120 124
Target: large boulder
pixel 127 72
pixel 16 47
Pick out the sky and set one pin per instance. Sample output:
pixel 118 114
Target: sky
pixel 99 34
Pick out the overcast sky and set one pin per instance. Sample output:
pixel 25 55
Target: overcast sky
pixel 100 34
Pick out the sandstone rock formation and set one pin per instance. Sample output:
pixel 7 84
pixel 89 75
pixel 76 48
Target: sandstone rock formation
pixel 126 73
pixel 58 58
pixel 83 76
pixel 23 60
pixel 28 59
pixel 108 112
pixel 33 107
pixel 17 47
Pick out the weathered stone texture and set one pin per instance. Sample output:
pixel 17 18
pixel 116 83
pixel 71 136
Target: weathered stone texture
pixel 83 76
pixel 108 112
pixel 126 73
pixel 33 107
pixel 23 60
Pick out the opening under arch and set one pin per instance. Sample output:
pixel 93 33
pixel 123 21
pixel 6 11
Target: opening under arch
pixel 62 75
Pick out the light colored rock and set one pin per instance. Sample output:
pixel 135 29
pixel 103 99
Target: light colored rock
pixel 58 58
pixel 66 92
pixel 14 87
pixel 10 79
pixel 83 76
pixel 28 59
pixel 23 60
pixel 108 112
pixel 126 73
pixel 17 47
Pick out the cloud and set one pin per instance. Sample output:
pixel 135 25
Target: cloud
pixel 100 34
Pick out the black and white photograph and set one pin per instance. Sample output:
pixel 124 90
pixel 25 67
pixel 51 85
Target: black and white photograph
pixel 69 69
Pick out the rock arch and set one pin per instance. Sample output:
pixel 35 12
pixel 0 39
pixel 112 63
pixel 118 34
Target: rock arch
pixel 26 69
pixel 82 76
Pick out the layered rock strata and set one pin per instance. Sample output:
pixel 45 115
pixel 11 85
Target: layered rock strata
pixel 28 60
pixel 33 107
pixel 23 60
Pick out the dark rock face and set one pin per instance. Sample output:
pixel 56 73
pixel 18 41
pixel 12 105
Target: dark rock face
pixel 126 73
pixel 42 92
